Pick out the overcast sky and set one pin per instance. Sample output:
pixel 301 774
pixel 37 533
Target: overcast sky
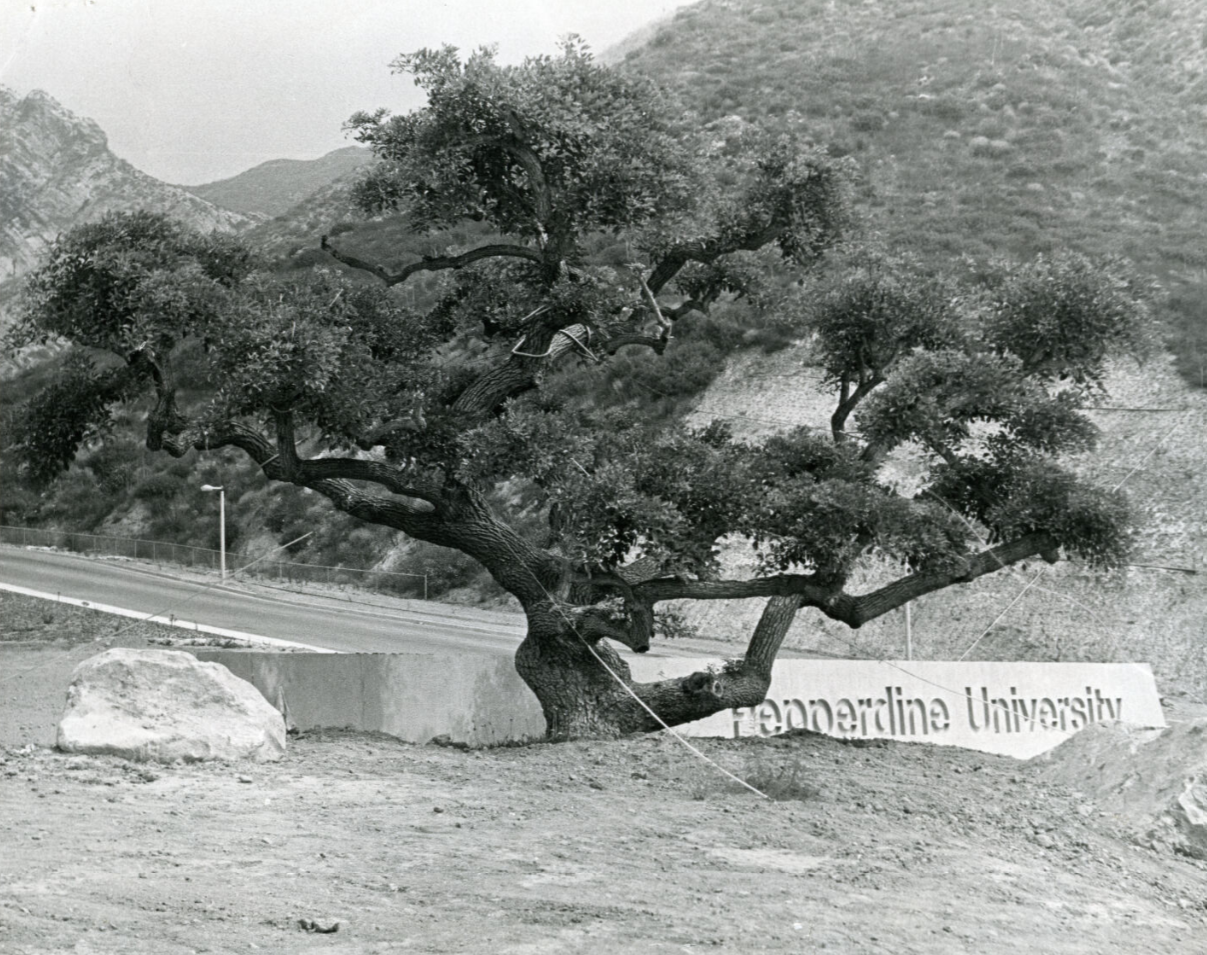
pixel 196 90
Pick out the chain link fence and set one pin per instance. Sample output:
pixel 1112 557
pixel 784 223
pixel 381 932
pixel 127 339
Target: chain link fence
pixel 203 558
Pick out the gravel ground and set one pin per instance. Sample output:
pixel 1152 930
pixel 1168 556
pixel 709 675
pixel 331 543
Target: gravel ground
pixel 629 846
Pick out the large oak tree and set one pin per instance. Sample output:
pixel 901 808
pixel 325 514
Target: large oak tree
pixel 420 412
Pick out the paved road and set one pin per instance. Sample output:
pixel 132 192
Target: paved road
pixel 338 627
pixel 312 619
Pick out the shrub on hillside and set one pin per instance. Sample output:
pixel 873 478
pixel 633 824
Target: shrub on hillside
pixel 868 121
pixel 947 109
pixel 79 504
pixel 114 465
pixel 446 571
pixel 989 148
pixel 1184 311
pixel 158 487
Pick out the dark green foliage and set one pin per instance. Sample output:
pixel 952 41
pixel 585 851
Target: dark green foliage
pixel 342 355
pixel 78 503
pixel 878 310
pixel 160 486
pixel 1063 315
pixel 599 138
pixel 675 494
pixel 1026 494
pixel 936 396
pixel 114 464
pixel 46 433
pixel 1186 314
pixel 688 368
pixel 819 507
pixel 130 282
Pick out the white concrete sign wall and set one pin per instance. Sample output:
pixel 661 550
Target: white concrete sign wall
pixel 1016 709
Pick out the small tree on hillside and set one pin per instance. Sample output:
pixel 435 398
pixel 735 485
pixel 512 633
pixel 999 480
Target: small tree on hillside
pixel 412 416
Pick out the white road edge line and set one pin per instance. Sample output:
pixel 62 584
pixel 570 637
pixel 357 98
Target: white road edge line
pixel 252 638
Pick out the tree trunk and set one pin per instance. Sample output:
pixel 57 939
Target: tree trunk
pixel 586 689
pixel 579 697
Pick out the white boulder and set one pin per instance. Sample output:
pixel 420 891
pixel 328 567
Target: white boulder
pixel 164 705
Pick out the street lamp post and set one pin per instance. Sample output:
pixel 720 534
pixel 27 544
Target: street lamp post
pixel 221 527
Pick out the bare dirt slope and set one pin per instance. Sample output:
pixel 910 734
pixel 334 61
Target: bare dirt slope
pixel 632 846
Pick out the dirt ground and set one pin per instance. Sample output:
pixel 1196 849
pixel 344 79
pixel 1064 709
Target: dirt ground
pixel 632 846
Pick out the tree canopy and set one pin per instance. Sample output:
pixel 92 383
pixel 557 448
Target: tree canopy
pixel 410 415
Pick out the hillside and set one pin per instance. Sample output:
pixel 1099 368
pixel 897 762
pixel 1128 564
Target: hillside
pixel 1015 128
pixel 276 187
pixel 56 171
pixel 283 236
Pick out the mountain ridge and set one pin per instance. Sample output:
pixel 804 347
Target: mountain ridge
pixel 57 171
pixel 276 187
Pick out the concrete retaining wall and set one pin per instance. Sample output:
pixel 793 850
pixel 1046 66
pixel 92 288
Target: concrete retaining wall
pixel 469 698
pixel 1017 709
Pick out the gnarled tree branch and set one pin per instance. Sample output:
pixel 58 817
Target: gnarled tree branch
pixel 434 263
pixel 849 401
pixel 385 475
pixel 542 346
pixel 777 617
pixel 613 345
pixel 707 251
pixel 854 611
